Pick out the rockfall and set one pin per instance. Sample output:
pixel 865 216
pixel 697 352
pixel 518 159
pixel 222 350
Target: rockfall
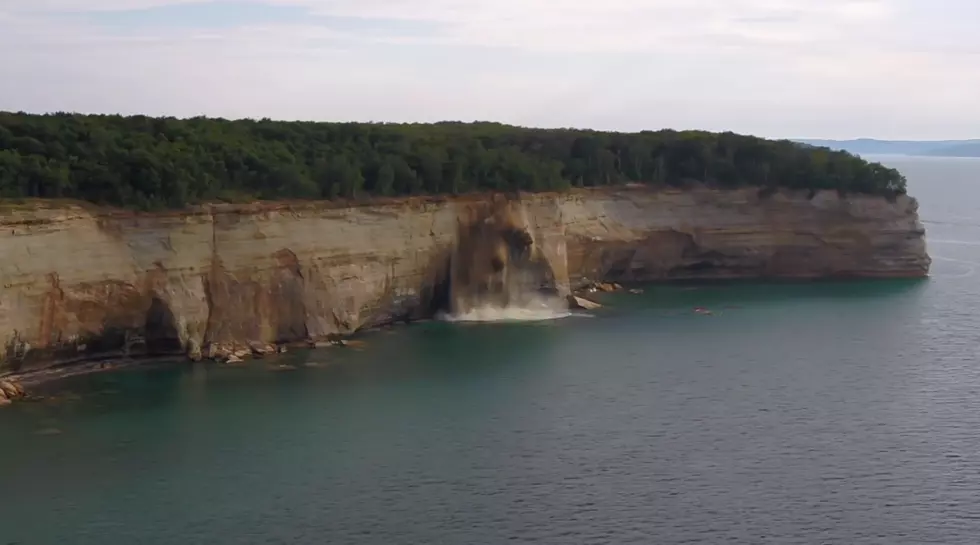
pixel 79 282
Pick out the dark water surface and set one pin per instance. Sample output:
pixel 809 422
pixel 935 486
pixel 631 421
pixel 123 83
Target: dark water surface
pixel 812 413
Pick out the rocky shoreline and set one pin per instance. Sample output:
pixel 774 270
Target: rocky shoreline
pixel 17 386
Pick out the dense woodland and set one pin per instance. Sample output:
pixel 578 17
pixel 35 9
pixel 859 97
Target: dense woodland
pixel 150 163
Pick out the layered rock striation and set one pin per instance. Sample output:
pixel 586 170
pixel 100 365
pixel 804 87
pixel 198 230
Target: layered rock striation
pixel 78 282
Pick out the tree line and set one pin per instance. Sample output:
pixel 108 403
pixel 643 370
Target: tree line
pixel 151 163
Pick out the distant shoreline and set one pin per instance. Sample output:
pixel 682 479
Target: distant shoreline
pixel 910 148
pixel 912 156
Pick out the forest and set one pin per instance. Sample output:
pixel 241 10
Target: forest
pixel 153 163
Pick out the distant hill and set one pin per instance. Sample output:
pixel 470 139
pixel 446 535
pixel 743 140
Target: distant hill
pixel 969 148
pixel 934 148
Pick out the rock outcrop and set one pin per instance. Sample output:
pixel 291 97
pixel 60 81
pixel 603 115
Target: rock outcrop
pixel 77 282
pixel 10 391
pixel 576 302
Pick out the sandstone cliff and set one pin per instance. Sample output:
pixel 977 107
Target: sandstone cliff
pixel 77 283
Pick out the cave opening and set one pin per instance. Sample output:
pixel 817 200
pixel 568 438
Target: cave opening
pixel 160 328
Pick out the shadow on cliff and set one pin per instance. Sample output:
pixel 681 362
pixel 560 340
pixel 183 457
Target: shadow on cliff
pixel 126 324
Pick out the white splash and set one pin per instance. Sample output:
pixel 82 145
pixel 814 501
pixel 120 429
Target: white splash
pixel 536 310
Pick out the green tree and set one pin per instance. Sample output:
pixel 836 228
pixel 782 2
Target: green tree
pixel 145 162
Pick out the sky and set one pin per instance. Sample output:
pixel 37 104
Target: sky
pixel 775 68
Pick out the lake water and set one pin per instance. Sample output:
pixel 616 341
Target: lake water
pixel 843 413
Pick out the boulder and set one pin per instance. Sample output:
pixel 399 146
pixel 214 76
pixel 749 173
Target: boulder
pixel 582 303
pixel 227 354
pixel 261 349
pixel 216 352
pixel 329 342
pixel 11 389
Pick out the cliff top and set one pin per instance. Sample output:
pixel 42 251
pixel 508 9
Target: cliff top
pixel 32 211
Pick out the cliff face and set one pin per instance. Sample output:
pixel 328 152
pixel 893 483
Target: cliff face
pixel 77 283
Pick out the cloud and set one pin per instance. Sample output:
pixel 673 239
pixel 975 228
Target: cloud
pixel 563 25
pixel 615 25
pixel 775 67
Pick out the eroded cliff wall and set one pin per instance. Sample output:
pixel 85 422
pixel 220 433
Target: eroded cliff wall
pixel 77 282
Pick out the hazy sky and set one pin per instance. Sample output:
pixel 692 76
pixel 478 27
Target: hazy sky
pixel 790 68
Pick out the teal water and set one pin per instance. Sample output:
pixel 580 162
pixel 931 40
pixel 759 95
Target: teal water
pixel 796 413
